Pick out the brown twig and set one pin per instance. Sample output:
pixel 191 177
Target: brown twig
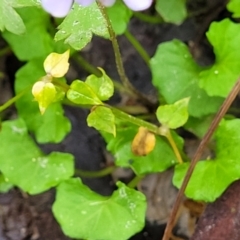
pixel 222 111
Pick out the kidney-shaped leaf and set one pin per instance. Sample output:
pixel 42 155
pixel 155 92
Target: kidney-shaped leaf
pixel 220 77
pixel 176 76
pixel 211 177
pixel 24 165
pixel 84 214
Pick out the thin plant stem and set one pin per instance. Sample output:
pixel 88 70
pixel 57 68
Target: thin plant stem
pixel 118 60
pixel 136 121
pixel 148 18
pixel 86 65
pixel 5 50
pixel 174 146
pixel 134 182
pixel 95 174
pixel 222 111
pixel 14 99
pixel 136 44
pixel 151 127
pixel 65 87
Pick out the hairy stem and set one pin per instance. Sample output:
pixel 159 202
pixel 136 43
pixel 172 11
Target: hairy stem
pixel 118 59
pixel 222 111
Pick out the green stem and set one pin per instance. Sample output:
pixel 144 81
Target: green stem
pixel 162 131
pixel 65 87
pixel 148 18
pixel 136 121
pixel 86 65
pixel 134 182
pixel 95 174
pixel 5 50
pixel 118 59
pixel 165 131
pixel 14 99
pixel 138 47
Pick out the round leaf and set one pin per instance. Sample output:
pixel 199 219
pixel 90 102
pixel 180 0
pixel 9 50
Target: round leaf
pixel 174 115
pixel 119 15
pixel 211 177
pixel 84 214
pixel 234 6
pixel 173 11
pixel 227 65
pixel 180 78
pixel 23 164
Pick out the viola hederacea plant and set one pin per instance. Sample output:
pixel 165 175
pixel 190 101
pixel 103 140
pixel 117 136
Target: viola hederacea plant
pixel 144 128
pixel 60 8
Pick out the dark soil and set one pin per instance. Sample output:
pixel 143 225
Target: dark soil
pixel 30 217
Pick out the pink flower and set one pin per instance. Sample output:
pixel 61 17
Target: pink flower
pixel 60 8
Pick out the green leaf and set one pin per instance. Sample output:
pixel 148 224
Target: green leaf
pixel 53 125
pixel 199 126
pixel 24 165
pixel 234 7
pixel 173 115
pixel 102 86
pixel 211 177
pixel 176 76
pixel 173 11
pixel 219 79
pixel 160 159
pixel 84 214
pixel 78 32
pixel 5 185
pixel 81 93
pixel 119 15
pixel 24 3
pixel 102 119
pixel 36 41
pixel 10 19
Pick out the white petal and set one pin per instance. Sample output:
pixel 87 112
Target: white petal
pixel 84 2
pixel 107 3
pixel 57 8
pixel 138 5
